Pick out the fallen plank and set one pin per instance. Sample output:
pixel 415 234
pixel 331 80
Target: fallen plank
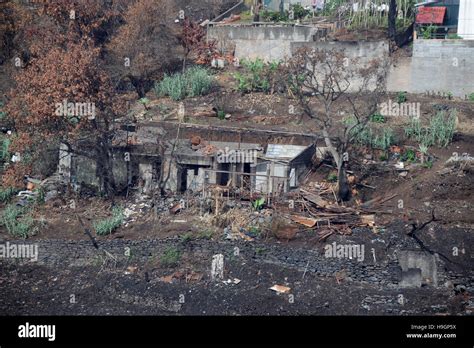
pixel 303 220
pixel 281 289
pixel 315 199
pixel 379 200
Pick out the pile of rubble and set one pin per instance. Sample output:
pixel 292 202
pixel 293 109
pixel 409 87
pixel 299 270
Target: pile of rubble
pixel 328 217
pixel 239 223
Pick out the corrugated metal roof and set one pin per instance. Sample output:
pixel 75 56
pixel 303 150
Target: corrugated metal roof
pixel 431 15
pixel 284 151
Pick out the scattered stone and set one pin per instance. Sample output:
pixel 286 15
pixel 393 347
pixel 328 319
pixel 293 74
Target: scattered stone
pixel 217 268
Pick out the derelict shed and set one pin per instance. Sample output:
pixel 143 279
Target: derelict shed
pixel 285 165
pixel 189 166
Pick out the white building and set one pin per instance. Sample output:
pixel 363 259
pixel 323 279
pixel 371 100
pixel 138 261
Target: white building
pixel 466 19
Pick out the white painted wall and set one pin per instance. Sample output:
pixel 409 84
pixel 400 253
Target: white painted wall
pixel 466 19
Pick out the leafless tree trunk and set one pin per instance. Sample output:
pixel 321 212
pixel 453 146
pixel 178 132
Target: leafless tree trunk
pixel 392 19
pixel 331 77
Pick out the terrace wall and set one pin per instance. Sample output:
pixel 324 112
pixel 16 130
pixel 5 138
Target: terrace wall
pixel 269 42
pixel 439 66
pixel 436 66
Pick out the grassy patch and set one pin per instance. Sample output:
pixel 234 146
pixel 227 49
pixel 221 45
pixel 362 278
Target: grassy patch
pixel 377 118
pixel 440 131
pixel 332 177
pixel 195 81
pixel 401 97
pixel 186 238
pixel 170 257
pixel 206 234
pixel 17 221
pixel 374 136
pixel 257 76
pixel 260 251
pixel 107 226
pixel 7 193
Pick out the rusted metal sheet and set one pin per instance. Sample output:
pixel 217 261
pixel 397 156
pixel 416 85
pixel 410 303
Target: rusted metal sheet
pixel 431 15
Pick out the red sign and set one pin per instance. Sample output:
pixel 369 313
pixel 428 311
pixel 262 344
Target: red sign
pixel 430 15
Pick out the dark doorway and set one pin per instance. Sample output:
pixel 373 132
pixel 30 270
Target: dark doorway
pixel 223 178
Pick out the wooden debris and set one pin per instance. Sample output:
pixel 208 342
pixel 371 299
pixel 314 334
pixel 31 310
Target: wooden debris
pixel 176 208
pixel 315 199
pixel 281 289
pixel 203 111
pixel 308 222
pixel 131 269
pixel 368 220
pixel 340 275
pixel 377 200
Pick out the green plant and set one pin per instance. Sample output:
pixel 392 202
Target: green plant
pixel 172 86
pixel 384 140
pixel 199 81
pixel 170 257
pixel 409 156
pixel 40 195
pixel 17 221
pixel 3 114
pixel 221 115
pixel 442 127
pixel 428 164
pixel 427 32
pixel 274 16
pixel 254 231
pixel 299 12
pixel 195 81
pixel 4 146
pixel 471 97
pixel 186 238
pixel 414 128
pixel 107 226
pixel 440 130
pixel 206 234
pixel 258 203
pixel 383 157
pixel 246 16
pixel 7 193
pixel 144 101
pixel 374 136
pixel 454 36
pixel 401 97
pixel 260 251
pixel 332 177
pixel 331 6
pixel 257 76
pixel 423 149
pixel 377 118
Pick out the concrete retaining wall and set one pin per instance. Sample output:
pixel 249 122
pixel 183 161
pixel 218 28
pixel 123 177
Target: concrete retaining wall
pixel 266 42
pixel 362 51
pixel 436 66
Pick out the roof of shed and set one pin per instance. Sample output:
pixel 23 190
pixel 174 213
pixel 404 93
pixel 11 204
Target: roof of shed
pixel 281 151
